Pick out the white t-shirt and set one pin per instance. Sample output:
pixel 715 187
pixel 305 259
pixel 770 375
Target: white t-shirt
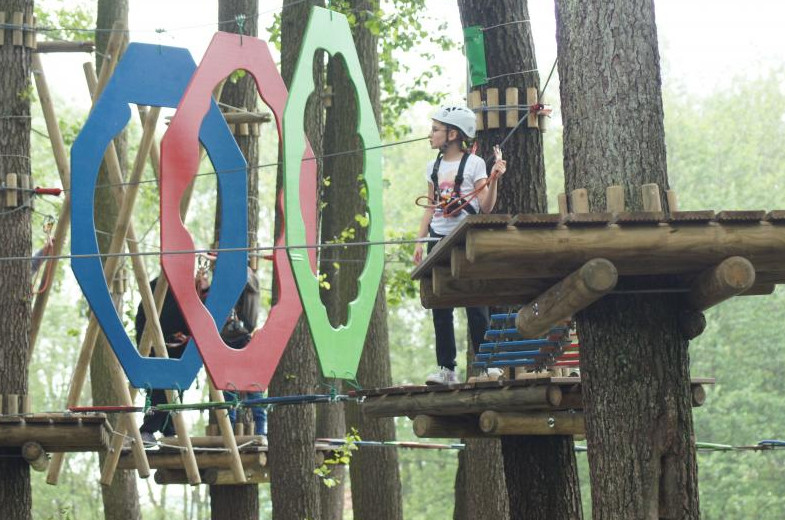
pixel 472 172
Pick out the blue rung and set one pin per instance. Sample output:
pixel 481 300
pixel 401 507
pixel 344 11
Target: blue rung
pixel 501 332
pixel 511 355
pixel 518 344
pixel 500 364
pixel 504 317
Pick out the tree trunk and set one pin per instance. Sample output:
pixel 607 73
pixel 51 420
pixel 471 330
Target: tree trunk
pixel 634 363
pixel 120 499
pixel 376 488
pixel 292 429
pixel 510 52
pixel 240 502
pixel 15 240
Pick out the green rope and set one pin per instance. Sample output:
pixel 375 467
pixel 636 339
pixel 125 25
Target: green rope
pixel 173 407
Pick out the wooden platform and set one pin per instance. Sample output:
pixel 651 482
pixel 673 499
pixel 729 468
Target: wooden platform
pixel 56 432
pixel 511 259
pixel 539 406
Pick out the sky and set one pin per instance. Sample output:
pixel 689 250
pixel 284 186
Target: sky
pixel 703 43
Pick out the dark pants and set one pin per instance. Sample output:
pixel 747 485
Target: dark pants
pixel 161 421
pixel 444 329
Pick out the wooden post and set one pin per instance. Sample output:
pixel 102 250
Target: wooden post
pixel 651 197
pixel 579 201
pixel 580 289
pixel 732 276
pixel 225 425
pixel 460 426
pixel 562 201
pixel 511 100
pixel 35 455
pixel 535 423
pixel 614 199
pixel 532 99
pixel 11 192
pixel 492 102
pixel 475 103
pixel 18 35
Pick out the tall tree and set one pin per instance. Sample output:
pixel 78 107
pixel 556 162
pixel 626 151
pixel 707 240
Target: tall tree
pixel 121 497
pixel 376 487
pixel 641 442
pixel 292 429
pixel 15 241
pixel 540 474
pixel 240 502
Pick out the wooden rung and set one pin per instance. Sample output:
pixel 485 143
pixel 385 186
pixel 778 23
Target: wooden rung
pixel 579 201
pixel 532 98
pixel 732 276
pixel 614 199
pixel 535 423
pixel 530 220
pixel 461 426
pixel 492 100
pixel 511 100
pixel 640 218
pixel 651 198
pixel 592 281
pixel 18 35
pixel 475 102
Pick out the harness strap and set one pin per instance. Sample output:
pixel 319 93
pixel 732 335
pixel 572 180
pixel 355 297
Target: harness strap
pixel 456 191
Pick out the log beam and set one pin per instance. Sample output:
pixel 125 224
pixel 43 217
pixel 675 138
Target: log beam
pixel 732 276
pixel 540 423
pixel 592 281
pixel 460 426
pixel 35 455
pixel 173 460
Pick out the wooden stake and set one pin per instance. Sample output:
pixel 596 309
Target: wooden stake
pixel 11 192
pixel 475 102
pixel 492 100
pixel 732 276
pixel 535 423
pixel 532 99
pixel 18 35
pixel 579 201
pixel 511 100
pixel 583 287
pixel 35 455
pixel 614 199
pixel 460 426
pixel 651 197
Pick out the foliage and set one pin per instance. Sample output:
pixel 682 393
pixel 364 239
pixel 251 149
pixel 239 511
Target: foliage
pixel 341 455
pixel 72 18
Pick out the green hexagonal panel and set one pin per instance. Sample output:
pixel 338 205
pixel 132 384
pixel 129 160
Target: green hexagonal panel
pixel 338 349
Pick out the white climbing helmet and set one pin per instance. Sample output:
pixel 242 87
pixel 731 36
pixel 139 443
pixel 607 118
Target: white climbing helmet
pixel 459 117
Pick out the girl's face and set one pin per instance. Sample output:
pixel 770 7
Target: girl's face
pixel 438 135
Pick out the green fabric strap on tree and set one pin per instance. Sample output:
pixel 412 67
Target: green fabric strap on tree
pixel 474 48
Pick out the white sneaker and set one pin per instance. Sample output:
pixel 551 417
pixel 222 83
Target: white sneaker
pixel 444 376
pixel 148 439
pixel 494 373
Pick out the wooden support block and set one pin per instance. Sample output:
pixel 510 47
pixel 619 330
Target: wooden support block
pixel 651 197
pixel 732 276
pixel 511 100
pixel 450 298
pixel 35 455
pixel 592 281
pixel 11 192
pixel 475 103
pixel 698 394
pixel 30 33
pixel 242 129
pixel 640 218
pixel 532 99
pixel 579 201
pixel 562 201
pixel 446 286
pixel 12 404
pixel 459 426
pixel 507 399
pixel 18 35
pixel 673 200
pixel 27 404
pixel 492 101
pixel 2 29
pixel 535 423
pixel 614 199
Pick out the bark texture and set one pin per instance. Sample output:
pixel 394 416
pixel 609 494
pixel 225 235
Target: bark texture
pixel 376 487
pixel 120 499
pixel 510 54
pixel 15 240
pixel 240 502
pixel 641 439
pixel 293 486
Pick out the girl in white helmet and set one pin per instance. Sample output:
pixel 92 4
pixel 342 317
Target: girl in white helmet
pixel 452 128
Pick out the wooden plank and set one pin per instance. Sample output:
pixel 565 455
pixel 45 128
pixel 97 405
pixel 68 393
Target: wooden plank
pixel 691 217
pixel 56 437
pixel 614 199
pixel 740 217
pixel 640 218
pixel 562 204
pixel 250 442
pixel 537 423
pixel 475 103
pixel 18 36
pixel 730 277
pixel 650 193
pixel 492 100
pixel 2 28
pixel 532 99
pixel 527 220
pixel 173 460
pixel 673 200
pixel 30 33
pixel 579 201
pixel 11 192
pixel 462 402
pixel 776 216
pixel 511 100
pixel 592 281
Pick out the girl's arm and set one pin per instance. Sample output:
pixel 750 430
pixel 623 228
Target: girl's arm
pixel 487 195
pixel 422 232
